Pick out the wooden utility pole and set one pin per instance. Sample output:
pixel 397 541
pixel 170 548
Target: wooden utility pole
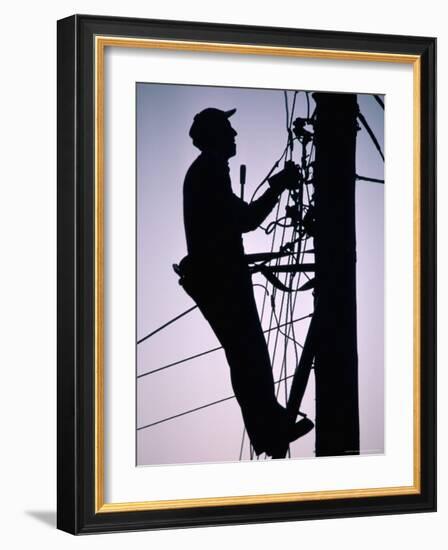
pixel 336 356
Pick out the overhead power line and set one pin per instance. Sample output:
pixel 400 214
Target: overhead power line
pixel 184 413
pixel 365 178
pixel 364 122
pixel 379 101
pixel 166 324
pixel 201 354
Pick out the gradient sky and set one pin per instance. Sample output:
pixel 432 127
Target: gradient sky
pixel 164 153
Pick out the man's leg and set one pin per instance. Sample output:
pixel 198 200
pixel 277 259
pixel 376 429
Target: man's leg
pixel 231 311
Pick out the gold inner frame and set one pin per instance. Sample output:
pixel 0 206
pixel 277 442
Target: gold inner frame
pixel 101 42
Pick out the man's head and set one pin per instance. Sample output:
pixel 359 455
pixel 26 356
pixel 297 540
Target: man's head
pixel 211 131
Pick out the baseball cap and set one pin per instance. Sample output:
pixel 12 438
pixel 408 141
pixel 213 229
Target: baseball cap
pixel 206 121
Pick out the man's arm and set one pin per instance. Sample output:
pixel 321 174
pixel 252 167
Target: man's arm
pixel 252 215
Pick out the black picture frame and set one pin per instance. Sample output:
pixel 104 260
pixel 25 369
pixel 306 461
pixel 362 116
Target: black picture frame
pixel 77 509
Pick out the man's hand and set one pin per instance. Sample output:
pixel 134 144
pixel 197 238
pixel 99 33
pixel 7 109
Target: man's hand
pixel 288 178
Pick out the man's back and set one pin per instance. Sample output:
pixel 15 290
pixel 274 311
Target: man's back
pixel 212 212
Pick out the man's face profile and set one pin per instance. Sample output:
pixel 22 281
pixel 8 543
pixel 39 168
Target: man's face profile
pixel 212 132
pixel 225 140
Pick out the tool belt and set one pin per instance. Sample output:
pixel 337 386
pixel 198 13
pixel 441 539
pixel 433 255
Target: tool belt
pixel 191 272
pixel 183 269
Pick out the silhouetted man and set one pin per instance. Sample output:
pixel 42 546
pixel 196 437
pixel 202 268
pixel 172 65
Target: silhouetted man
pixel 216 275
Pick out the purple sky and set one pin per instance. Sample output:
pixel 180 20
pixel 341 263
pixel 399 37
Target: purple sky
pixel 164 153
